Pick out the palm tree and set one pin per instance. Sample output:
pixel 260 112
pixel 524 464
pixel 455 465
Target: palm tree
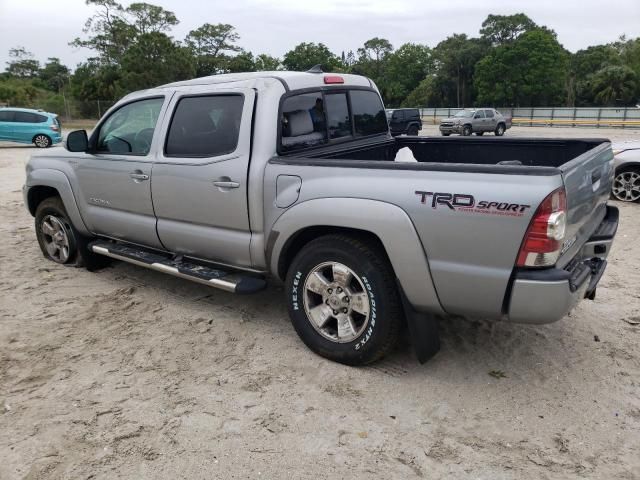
pixel 614 83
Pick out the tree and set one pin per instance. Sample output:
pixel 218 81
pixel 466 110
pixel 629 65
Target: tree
pixel 22 63
pixel 54 74
pixel 404 70
pixel 615 85
pixel 529 71
pixel 147 18
pixel 211 44
pixel 423 95
pixel 306 55
pixel 582 67
pixel 501 29
pixel 265 63
pixel 153 60
pixel 455 60
pixel 242 62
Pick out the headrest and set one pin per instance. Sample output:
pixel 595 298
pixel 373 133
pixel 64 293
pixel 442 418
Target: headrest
pixel 300 123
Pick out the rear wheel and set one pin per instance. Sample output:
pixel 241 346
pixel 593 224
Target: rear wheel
pixel 413 130
pixel 500 130
pixel 343 301
pixel 41 141
pixel 626 185
pixel 466 131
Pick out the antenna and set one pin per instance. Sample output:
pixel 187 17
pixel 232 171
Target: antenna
pixel 315 69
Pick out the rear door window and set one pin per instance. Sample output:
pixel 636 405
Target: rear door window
pixel 28 117
pixel 489 113
pixel 205 126
pixel 303 121
pixel 368 113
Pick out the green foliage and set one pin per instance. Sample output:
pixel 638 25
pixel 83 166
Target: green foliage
pixel 501 29
pixel 614 85
pixel 529 71
pixel 22 64
pixel 306 55
pixel 211 45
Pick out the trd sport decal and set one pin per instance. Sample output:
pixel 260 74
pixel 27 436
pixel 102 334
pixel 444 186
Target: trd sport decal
pixel 467 203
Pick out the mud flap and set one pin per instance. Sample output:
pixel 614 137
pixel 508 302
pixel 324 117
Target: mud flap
pixel 423 328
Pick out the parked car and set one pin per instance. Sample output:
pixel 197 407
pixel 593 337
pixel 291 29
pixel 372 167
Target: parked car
pixel 230 179
pixel 626 184
pixel 404 120
pixel 24 125
pixel 478 121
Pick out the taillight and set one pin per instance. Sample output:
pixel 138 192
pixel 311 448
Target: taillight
pixel 54 127
pixel 542 243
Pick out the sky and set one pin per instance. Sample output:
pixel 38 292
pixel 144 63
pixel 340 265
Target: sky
pixel 45 27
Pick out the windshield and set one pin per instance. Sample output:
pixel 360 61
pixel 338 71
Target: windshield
pixel 464 113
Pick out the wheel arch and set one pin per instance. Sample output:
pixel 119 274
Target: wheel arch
pixel 627 165
pixel 385 224
pixel 44 183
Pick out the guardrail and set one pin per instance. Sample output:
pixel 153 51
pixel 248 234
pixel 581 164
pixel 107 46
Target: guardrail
pixel 606 117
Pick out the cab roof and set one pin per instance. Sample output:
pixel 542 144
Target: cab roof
pixel 290 80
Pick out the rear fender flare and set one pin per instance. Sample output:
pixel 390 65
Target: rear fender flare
pixel 386 221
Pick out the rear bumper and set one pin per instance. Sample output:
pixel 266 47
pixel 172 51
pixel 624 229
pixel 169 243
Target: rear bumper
pixel 545 296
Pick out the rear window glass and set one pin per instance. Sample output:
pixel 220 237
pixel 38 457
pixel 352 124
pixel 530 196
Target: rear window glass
pixel 368 114
pixel 338 119
pixel 205 126
pixel 303 121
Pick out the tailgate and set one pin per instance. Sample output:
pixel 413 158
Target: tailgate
pixel 587 181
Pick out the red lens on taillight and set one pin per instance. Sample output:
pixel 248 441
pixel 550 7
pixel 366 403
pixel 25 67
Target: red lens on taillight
pixel 54 127
pixel 543 241
pixel 329 79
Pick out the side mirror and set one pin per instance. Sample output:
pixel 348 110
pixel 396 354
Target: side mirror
pixel 77 141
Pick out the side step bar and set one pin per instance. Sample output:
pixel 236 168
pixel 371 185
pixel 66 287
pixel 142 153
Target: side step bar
pixel 234 282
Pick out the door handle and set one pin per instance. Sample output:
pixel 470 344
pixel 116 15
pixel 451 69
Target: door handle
pixel 226 184
pixel 595 176
pixel 139 176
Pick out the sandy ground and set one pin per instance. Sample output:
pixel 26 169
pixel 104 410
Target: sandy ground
pixel 127 373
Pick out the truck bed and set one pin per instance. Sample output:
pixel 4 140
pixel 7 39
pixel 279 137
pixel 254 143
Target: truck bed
pixel 529 152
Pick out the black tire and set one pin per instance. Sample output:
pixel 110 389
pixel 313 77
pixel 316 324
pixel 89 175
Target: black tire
pixel 445 134
pixel 42 141
pixel 369 263
pixel 51 210
pixel 500 129
pixel 79 254
pixel 467 130
pixel 413 130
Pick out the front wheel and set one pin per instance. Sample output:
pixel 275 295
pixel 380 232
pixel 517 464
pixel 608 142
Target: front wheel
pixel 626 185
pixel 54 232
pixel 343 300
pixel 41 141
pixel 466 131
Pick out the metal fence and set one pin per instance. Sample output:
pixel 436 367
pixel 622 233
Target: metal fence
pixel 609 117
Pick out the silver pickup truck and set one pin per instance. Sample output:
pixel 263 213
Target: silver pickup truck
pixel 231 179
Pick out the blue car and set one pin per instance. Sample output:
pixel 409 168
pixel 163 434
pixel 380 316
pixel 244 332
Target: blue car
pixel 24 125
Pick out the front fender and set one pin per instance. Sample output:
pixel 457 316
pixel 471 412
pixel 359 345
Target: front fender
pixel 46 177
pixel 388 222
